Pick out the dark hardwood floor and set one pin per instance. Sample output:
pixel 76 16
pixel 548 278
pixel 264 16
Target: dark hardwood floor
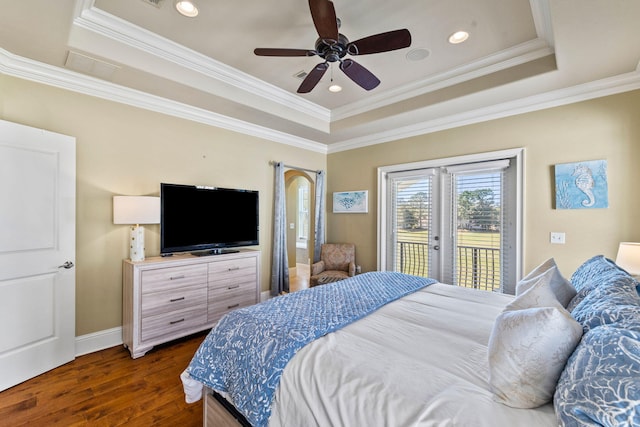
pixel 108 388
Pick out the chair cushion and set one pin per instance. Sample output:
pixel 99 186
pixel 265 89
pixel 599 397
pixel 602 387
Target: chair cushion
pixel 338 256
pixel 331 276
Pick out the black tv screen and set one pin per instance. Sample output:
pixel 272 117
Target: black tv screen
pixel 198 218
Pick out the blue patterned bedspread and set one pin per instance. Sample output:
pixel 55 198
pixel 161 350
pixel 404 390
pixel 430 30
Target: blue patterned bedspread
pixel 245 354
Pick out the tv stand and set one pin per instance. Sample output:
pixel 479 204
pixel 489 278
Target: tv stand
pixel 215 252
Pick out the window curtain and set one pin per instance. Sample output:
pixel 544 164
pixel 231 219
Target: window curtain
pixel 280 263
pixel 319 231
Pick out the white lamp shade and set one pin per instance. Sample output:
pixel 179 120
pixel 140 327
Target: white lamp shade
pixel 629 257
pixel 136 210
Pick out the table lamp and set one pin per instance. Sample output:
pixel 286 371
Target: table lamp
pixel 629 258
pixel 136 210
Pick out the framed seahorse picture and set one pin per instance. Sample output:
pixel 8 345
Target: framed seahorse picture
pixel 582 185
pixel 351 202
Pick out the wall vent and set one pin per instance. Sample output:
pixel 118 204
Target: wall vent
pixel 91 66
pixel 156 3
pixel 300 75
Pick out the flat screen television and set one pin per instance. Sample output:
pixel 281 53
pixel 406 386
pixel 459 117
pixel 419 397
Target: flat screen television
pixel 206 220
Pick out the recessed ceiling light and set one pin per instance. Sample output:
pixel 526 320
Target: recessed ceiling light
pixel 335 88
pixel 187 8
pixel 458 37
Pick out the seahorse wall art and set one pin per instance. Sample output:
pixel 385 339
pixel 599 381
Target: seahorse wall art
pixel 582 185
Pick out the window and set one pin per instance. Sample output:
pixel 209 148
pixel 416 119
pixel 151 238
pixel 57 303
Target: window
pixel 456 220
pixel 303 213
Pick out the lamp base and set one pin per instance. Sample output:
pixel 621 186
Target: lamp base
pixel 137 243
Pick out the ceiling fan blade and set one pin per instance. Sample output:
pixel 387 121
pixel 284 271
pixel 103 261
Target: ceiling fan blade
pixel 383 42
pixel 356 72
pixel 324 19
pixel 283 52
pixel 313 78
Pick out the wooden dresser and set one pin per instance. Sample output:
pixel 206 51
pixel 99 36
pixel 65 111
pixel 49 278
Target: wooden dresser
pixel 168 298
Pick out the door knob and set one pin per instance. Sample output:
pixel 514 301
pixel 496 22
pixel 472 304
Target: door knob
pixel 66 265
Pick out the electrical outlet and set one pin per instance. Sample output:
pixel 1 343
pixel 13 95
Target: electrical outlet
pixel 557 238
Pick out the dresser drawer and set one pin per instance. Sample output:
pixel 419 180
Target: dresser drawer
pixel 229 301
pixel 232 268
pixel 154 303
pixel 167 324
pixel 162 279
pixel 165 298
pixel 231 283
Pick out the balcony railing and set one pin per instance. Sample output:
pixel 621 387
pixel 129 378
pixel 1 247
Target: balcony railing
pixel 476 267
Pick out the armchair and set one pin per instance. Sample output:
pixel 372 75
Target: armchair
pixel 337 262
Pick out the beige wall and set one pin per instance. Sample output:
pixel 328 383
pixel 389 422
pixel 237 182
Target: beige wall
pixel 606 128
pixel 123 150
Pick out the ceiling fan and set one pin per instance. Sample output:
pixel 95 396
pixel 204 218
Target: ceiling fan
pixel 333 46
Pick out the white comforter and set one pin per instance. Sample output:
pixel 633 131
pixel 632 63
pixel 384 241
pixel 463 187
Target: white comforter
pixel 419 361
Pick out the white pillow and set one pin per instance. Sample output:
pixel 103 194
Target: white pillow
pixel 562 288
pixel 529 345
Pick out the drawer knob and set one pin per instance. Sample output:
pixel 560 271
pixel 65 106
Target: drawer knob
pixel 234 268
pixel 173 322
pixel 176 277
pixel 233 306
pixel 176 299
pixel 234 287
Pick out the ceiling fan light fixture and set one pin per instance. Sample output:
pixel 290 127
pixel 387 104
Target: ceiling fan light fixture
pixel 335 88
pixel 458 37
pixel 186 8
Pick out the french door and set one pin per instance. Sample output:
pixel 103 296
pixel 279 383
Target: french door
pixel 457 222
pixel 414 232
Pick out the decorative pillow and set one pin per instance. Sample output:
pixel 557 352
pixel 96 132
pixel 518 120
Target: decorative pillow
pixel 562 288
pixel 602 304
pixel 621 316
pixel 600 385
pixel 591 274
pixel 529 346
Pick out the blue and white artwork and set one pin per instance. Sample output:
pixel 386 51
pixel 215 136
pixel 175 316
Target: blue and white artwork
pixel 350 202
pixel 582 185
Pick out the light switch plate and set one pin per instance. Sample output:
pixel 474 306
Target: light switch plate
pixel 557 238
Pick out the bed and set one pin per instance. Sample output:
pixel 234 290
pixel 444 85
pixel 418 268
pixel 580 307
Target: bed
pixel 431 355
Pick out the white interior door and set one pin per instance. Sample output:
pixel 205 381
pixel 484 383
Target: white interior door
pixel 37 252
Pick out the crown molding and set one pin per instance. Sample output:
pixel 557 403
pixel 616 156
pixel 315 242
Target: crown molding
pixel 28 69
pixel 38 72
pixel 525 52
pixel 554 98
pixel 521 54
pixel 106 25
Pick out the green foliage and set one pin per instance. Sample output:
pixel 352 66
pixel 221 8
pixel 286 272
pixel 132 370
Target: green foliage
pixel 477 209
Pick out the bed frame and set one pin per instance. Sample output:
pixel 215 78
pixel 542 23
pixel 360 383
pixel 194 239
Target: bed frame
pixel 217 412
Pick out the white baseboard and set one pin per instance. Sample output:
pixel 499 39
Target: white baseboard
pixel 97 341
pixel 265 295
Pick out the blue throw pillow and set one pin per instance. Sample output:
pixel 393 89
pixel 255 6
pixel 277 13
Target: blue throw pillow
pixel 600 384
pixel 620 316
pixel 593 273
pixel 608 303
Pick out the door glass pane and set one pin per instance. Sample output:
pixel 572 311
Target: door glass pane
pixel 478 216
pixel 412 224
